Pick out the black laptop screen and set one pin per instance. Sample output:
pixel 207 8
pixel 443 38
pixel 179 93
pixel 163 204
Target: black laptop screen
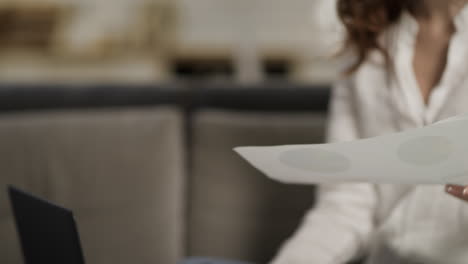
pixel 47 232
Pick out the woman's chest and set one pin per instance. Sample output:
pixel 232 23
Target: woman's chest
pixel 385 105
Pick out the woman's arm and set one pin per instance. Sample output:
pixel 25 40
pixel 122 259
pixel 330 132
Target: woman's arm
pixel 339 228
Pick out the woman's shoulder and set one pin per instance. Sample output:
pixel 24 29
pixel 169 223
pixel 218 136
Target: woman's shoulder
pixel 373 72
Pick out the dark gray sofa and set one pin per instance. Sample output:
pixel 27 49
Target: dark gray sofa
pixel 150 171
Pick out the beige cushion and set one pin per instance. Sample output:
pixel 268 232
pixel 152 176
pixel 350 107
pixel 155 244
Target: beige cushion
pixel 122 172
pixel 235 211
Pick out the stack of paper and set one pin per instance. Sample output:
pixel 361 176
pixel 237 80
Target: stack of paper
pixel 436 154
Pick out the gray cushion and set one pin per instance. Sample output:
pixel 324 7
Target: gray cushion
pixel 235 211
pixel 122 172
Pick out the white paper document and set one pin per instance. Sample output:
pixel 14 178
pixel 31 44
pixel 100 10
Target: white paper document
pixel 436 154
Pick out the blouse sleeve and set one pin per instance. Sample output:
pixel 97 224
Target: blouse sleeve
pixel 339 228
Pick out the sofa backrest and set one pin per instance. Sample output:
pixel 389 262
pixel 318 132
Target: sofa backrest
pixel 235 212
pixel 121 171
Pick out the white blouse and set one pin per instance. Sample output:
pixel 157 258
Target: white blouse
pixel 389 223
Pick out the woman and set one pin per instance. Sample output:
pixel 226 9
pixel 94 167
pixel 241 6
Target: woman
pixel 411 70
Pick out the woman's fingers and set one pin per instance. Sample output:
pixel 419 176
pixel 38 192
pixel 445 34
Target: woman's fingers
pixel 458 191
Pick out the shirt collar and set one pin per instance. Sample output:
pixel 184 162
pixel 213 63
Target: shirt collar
pixel 461 19
pixel 406 30
pixel 412 27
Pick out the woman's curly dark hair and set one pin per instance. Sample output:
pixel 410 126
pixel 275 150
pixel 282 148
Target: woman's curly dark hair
pixel 365 21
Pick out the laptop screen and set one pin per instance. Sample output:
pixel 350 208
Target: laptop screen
pixel 47 232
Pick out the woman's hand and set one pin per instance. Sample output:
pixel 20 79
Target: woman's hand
pixel 458 191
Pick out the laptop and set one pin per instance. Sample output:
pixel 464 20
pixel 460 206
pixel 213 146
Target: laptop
pixel 47 232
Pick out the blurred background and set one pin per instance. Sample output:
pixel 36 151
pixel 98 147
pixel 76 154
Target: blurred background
pixel 141 41
pixel 126 112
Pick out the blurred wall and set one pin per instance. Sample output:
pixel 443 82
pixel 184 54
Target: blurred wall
pixel 295 29
pixel 139 40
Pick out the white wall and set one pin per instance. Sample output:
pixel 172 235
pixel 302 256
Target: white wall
pixel 290 22
pixel 263 25
pixel 244 28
